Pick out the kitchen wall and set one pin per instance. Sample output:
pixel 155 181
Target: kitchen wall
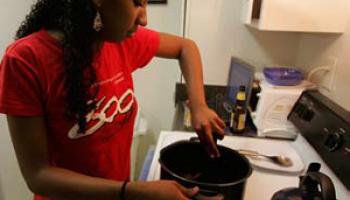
pixel 1 192
pixel 217 28
pixel 315 49
pixel 11 15
pixel 155 84
pixel 11 182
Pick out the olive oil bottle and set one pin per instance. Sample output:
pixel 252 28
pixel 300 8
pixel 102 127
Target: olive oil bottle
pixel 238 115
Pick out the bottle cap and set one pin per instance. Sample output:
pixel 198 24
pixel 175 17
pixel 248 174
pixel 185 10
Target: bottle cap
pixel 242 88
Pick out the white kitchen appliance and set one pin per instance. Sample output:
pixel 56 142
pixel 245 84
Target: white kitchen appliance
pixel 274 105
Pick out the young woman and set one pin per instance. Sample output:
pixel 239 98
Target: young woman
pixel 67 90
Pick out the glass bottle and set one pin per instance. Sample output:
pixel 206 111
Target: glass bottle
pixel 238 115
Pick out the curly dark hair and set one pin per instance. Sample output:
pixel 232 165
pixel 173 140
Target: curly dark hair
pixel 74 18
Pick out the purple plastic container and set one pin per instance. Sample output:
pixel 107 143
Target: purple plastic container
pixel 283 76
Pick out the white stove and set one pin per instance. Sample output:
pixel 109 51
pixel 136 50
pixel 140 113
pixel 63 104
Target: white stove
pixel 265 179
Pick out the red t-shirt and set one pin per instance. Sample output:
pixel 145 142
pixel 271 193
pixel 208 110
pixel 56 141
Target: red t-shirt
pixel 31 84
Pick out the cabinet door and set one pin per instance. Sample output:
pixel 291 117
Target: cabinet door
pixel 298 15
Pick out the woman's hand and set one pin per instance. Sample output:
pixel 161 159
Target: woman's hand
pixel 159 190
pixel 208 126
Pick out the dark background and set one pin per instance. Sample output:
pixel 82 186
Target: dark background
pixel 157 1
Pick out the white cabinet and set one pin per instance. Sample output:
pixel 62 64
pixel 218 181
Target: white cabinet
pixel 327 16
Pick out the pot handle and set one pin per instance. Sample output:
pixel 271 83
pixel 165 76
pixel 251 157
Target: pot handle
pixel 208 195
pixel 327 187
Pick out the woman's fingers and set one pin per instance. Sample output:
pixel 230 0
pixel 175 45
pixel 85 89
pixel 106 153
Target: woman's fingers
pixel 218 130
pixel 204 140
pixel 213 150
pixel 188 192
pixel 220 122
pixel 209 127
pixel 205 135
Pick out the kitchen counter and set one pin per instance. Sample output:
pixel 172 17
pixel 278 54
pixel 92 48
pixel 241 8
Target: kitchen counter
pixel 263 183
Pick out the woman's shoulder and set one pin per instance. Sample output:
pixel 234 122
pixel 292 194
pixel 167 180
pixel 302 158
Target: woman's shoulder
pixel 31 46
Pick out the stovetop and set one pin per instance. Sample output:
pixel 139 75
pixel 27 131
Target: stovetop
pixel 263 183
pixel 326 126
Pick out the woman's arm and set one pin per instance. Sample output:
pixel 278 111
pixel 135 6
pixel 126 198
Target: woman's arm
pixel 204 120
pixel 30 142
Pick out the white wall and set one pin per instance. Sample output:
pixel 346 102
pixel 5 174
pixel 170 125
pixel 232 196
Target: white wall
pixel 216 26
pixel 155 84
pixel 1 192
pixel 11 181
pixel 314 50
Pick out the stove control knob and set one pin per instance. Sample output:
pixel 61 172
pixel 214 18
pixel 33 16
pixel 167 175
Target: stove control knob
pixel 333 141
pixel 304 112
pixel 308 115
pixel 300 109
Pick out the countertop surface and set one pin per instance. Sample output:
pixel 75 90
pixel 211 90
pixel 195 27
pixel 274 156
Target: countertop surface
pixel 263 183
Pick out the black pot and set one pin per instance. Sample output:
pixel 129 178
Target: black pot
pixel 188 163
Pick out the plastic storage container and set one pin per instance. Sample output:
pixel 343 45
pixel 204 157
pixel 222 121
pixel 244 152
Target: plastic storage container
pixel 283 76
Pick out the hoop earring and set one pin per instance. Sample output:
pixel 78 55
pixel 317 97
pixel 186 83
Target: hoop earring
pixel 98 25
